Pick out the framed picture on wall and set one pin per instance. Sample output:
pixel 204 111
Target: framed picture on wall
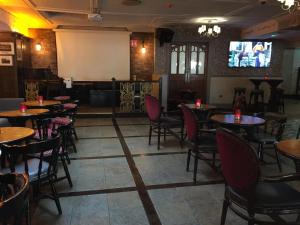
pixel 6 60
pixel 19 46
pixel 7 48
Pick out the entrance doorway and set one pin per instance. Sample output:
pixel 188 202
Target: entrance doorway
pixel 188 72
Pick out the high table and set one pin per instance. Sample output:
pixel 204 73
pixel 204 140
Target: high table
pixel 201 111
pixel 273 82
pixel 290 149
pixel 18 118
pixel 37 104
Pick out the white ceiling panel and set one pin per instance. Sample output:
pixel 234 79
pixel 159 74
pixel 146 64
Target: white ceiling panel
pixel 154 13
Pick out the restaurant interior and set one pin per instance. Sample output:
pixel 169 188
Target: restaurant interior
pixel 149 112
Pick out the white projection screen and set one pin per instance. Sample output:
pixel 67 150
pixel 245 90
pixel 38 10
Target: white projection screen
pixel 93 55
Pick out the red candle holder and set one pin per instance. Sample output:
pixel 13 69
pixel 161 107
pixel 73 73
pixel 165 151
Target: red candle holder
pixel 198 103
pixel 237 114
pixel 40 99
pixel 23 108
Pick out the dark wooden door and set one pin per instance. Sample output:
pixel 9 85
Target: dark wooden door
pixel 188 71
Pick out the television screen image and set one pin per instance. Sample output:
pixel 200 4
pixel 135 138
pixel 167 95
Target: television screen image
pixel 250 54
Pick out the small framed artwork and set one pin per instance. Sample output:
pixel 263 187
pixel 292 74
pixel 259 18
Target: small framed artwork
pixel 19 48
pixel 7 48
pixel 6 60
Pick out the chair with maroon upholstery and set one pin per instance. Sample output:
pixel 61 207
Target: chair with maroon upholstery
pixel 199 140
pixel 160 121
pixel 246 192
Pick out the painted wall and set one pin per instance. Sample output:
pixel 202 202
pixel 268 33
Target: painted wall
pixel 290 65
pixel 219 74
pixel 8 22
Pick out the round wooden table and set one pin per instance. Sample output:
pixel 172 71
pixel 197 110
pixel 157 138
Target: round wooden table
pixel 18 113
pixel 10 134
pixel 244 121
pixel 45 104
pixel 290 149
pixel 18 118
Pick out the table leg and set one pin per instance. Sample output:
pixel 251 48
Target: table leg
pixel 297 165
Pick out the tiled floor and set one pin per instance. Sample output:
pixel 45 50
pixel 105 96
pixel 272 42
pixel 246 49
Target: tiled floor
pixel 120 180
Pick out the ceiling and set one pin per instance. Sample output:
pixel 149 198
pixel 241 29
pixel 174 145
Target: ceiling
pixel 153 13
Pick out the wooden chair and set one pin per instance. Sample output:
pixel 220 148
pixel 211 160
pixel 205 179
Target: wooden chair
pixel 270 135
pixel 14 191
pixel 40 169
pixel 246 192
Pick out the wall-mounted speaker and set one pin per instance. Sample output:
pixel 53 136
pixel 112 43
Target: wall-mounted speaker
pixel 164 35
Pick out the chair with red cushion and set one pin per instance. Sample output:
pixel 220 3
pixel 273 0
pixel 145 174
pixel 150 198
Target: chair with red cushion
pixel 158 120
pixel 199 140
pixel 246 192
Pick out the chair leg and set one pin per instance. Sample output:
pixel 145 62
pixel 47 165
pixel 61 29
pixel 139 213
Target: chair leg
pixel 55 196
pixel 75 133
pixel 278 160
pixel 150 134
pixel 251 220
pixel 195 167
pixel 165 134
pixel 28 217
pixel 214 159
pixel 188 160
pixel 158 137
pixel 73 144
pixel 224 211
pixel 66 171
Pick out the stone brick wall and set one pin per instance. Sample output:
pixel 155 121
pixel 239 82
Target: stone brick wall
pixel 47 57
pixel 142 65
pixel 218 53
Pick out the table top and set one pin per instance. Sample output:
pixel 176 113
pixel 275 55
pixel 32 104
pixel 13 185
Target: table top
pixel 290 148
pixel 9 134
pixel 201 107
pixel 18 113
pixel 62 98
pixel 229 119
pixel 37 104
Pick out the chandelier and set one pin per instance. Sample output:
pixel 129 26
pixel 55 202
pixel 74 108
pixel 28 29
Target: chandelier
pixel 209 30
pixel 289 5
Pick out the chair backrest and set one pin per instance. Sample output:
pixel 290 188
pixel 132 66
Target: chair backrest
pixel 275 125
pixel 153 108
pixel 45 128
pixel 240 165
pixel 14 190
pixel 190 123
pixel 36 147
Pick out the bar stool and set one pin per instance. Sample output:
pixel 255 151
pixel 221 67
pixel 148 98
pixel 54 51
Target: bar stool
pixel 238 91
pixel 255 94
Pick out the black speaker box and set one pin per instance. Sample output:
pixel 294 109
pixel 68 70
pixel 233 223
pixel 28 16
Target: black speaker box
pixel 164 35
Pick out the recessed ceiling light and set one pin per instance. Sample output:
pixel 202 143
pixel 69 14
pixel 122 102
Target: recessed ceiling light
pixel 210 20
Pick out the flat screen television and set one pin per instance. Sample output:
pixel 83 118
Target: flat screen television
pixel 255 54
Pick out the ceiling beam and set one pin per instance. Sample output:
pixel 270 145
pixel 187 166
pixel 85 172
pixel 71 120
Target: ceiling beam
pixel 273 26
